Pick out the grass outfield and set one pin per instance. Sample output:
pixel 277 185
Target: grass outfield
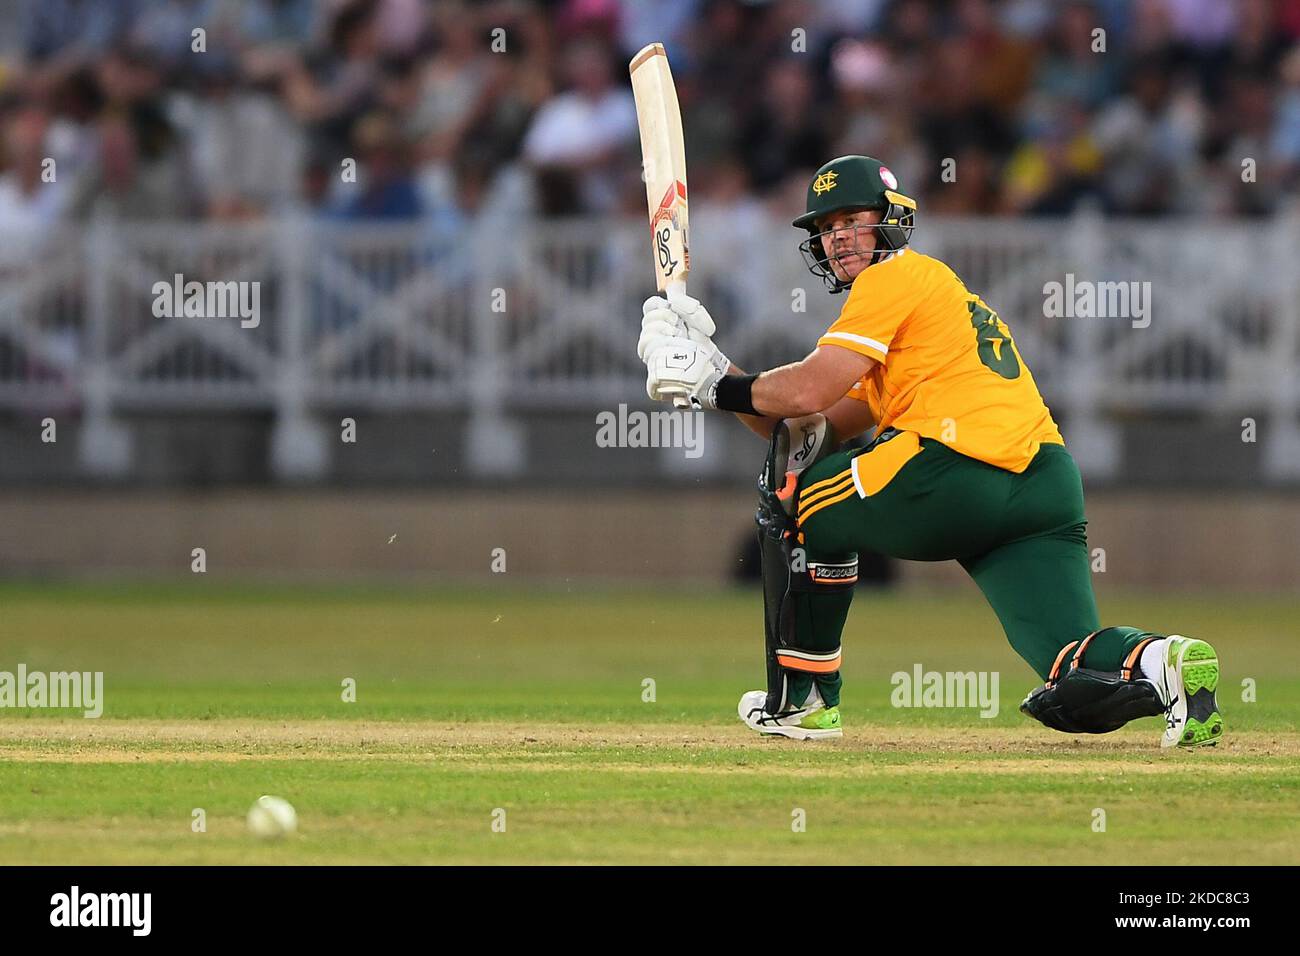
pixel 473 700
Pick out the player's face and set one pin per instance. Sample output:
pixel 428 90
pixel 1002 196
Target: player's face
pixel 849 241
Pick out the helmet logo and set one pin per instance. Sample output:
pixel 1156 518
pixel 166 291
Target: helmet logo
pixel 825 182
pixel 888 178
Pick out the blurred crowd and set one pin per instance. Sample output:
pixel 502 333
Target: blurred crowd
pixel 449 110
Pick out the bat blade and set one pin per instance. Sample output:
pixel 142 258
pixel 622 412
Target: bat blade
pixel 663 159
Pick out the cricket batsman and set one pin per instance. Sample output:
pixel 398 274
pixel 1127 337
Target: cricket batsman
pixel 966 465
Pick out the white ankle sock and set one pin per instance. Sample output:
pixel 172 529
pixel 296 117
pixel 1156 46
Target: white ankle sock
pixel 1152 661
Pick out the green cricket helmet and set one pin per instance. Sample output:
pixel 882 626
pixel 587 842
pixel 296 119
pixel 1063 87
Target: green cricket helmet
pixel 852 184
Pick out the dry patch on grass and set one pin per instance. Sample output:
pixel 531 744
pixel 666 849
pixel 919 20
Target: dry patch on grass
pixel 996 749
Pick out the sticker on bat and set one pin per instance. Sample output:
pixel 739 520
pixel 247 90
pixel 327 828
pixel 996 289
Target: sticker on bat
pixel 666 260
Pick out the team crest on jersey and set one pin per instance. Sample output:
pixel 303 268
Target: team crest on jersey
pixel 825 182
pixel 888 178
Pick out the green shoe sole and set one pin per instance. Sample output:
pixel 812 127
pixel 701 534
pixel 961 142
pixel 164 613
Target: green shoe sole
pixel 1200 681
pixel 1198 733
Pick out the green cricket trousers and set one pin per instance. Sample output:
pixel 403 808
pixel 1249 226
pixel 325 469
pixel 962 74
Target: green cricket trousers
pixel 1020 536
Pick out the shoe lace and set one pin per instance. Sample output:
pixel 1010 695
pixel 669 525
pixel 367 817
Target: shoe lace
pixel 1170 720
pixel 764 717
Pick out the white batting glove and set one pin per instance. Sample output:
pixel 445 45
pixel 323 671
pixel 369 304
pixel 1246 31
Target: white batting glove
pixel 657 328
pixel 694 315
pixel 660 325
pixel 695 321
pixel 682 368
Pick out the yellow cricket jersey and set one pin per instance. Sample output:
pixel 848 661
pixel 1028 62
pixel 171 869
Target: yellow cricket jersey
pixel 948 369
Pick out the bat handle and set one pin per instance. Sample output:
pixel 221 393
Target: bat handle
pixel 675 290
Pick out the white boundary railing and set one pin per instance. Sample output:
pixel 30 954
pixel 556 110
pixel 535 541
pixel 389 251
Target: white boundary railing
pixel 544 315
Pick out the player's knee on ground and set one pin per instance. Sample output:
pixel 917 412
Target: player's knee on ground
pixel 1080 700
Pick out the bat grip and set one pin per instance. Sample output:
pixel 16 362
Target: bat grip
pixel 675 290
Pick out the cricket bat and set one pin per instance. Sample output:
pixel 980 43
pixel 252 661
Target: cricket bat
pixel 663 160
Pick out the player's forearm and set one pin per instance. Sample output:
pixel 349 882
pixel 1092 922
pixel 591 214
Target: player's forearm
pixel 790 392
pixel 850 418
pixel 807 387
